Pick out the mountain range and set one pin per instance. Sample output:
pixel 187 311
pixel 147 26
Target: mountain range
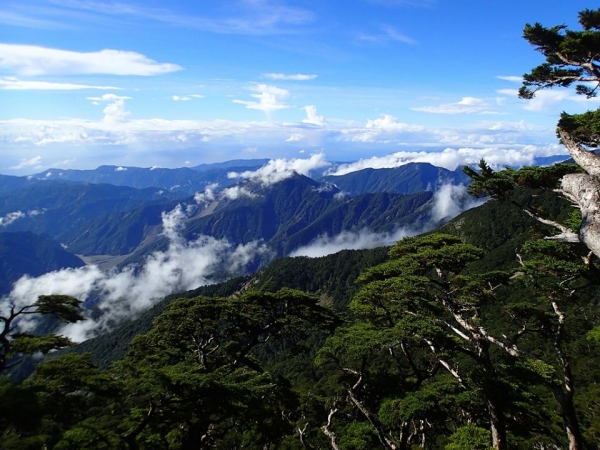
pixel 232 226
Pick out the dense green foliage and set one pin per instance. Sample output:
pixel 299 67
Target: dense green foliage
pixel 395 373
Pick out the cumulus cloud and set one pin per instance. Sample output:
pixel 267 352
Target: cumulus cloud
pixel 14 84
pixel 312 117
pixel 270 98
pixel 294 137
pixel 467 105
pixel 292 77
pixel 279 169
pixel 31 60
pixel 115 111
pixel 125 293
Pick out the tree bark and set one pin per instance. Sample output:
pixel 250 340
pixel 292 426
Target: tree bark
pixel 497 426
pixel 565 397
pixel 327 432
pixel 584 190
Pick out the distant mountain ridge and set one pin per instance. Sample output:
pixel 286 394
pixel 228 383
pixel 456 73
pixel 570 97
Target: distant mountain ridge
pixel 27 253
pixel 407 179
pixel 181 180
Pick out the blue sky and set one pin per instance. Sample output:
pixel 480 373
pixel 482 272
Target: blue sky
pixel 170 84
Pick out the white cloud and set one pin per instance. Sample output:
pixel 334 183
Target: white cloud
pixel 33 60
pixel 279 169
pixel 312 117
pixel 293 77
pixel 115 111
pixel 270 98
pixel 119 139
pixel 452 158
pixel 383 126
pixel 120 169
pixel 27 163
pixel 14 84
pixel 450 200
pixel 550 100
pixel 511 78
pixel 125 293
pixel 235 192
pixel 11 217
pixel 209 194
pixel 185 98
pixel 349 240
pixel 294 137
pixel 467 105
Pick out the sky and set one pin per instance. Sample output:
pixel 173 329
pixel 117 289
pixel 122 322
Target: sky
pixel 171 84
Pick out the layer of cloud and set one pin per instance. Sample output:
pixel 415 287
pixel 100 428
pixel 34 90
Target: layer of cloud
pixel 349 240
pixel 132 142
pixel 290 77
pixel 279 169
pixel 452 158
pixel 15 84
pixel 31 60
pixel 123 294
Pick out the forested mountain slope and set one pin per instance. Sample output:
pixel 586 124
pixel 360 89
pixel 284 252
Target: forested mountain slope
pixel 26 253
pixel 407 179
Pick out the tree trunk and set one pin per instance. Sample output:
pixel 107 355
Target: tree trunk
pixel 570 420
pixel 497 426
pixel 404 435
pixel 564 396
